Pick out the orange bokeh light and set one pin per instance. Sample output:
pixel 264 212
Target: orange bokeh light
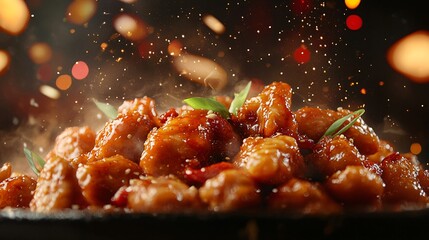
pixel 352 4
pixel 175 48
pixel 63 82
pixel 410 56
pixel 4 61
pixel 14 16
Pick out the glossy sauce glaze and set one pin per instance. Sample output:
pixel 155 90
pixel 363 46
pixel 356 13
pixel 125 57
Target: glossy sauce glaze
pixel 267 157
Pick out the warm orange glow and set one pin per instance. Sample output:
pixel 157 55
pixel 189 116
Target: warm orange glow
pixel 63 82
pixel 363 91
pixel 40 53
pixel 352 4
pixel 201 70
pixel 415 148
pixel 175 48
pixel 130 27
pixel 214 24
pixel 410 56
pixel 4 61
pixel 14 16
pixel 103 46
pixel 81 11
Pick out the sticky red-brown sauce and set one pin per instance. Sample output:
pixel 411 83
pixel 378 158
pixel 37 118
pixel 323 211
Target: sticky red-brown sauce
pixel 267 157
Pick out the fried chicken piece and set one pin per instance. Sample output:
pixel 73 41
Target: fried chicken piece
pixel 270 160
pixel 313 123
pixel 302 196
pixel 57 187
pixel 126 134
pixel 268 113
pixel 355 185
pixel 384 150
pixel 402 184
pixel 195 137
pixel 164 194
pixel 100 180
pixel 333 154
pixel 74 141
pixel 230 190
pixel 17 191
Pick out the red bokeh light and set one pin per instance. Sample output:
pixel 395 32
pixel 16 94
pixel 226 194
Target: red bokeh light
pixel 354 22
pixel 302 54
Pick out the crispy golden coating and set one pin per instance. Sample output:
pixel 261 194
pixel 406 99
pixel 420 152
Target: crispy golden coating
pixel 268 113
pixel 17 191
pixel 270 160
pixel 230 190
pixel 57 187
pixel 100 180
pixel 195 137
pixel 302 196
pixel 159 195
pixel 126 134
pixel 73 142
pixel 355 185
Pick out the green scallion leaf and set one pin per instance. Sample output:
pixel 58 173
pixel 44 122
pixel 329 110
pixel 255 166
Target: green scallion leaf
pixel 208 104
pixel 106 108
pixel 239 99
pixel 34 160
pixel 334 129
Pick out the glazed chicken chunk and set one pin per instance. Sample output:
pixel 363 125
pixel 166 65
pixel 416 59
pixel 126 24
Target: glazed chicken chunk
pixel 196 138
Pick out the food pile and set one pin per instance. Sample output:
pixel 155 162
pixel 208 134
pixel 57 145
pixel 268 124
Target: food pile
pixel 258 155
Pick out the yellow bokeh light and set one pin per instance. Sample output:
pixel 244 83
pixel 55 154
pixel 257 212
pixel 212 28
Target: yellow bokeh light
pixel 352 4
pixel 40 53
pixel 410 56
pixel 63 82
pixel 214 24
pixel 49 92
pixel 81 11
pixel 14 16
pixel 4 61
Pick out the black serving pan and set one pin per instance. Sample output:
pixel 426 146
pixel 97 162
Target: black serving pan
pixel 23 224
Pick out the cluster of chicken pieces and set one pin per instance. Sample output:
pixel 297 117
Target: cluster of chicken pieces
pixel 265 157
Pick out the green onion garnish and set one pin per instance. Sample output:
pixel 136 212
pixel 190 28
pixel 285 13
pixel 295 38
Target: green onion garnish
pixel 334 129
pixel 208 104
pixel 34 160
pixel 212 104
pixel 106 108
pixel 239 99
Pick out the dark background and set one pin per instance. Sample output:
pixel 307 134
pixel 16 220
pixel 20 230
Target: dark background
pixel 258 44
